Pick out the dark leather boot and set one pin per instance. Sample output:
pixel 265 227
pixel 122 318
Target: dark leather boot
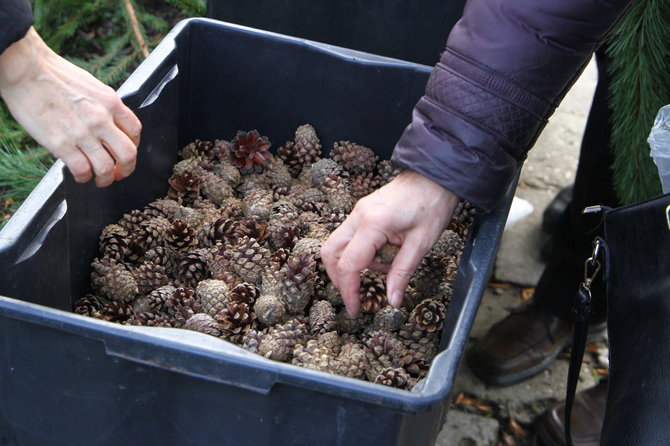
pixel 521 345
pixel 588 413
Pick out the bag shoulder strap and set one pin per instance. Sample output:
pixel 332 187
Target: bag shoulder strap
pixel 582 309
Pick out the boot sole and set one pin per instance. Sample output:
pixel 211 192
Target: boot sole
pixel 506 380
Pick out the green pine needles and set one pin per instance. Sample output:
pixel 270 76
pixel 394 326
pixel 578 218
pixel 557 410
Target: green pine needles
pixel 640 50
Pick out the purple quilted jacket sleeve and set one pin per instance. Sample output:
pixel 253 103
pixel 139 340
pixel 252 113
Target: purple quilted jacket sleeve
pixel 16 18
pixel 507 65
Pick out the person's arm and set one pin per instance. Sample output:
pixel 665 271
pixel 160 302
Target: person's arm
pixel 507 66
pixel 64 108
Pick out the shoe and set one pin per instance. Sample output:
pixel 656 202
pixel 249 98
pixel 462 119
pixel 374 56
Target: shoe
pixel 521 345
pixel 588 412
pixel 552 213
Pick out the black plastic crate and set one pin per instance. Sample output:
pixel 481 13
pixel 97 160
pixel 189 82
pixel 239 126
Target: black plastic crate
pixel 67 379
pixel 409 30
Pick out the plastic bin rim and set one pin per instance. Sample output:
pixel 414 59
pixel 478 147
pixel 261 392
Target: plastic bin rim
pixel 284 373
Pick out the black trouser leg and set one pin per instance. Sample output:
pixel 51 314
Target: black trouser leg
pixel 593 185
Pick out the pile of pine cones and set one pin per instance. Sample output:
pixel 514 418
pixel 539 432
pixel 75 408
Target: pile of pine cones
pixel 233 251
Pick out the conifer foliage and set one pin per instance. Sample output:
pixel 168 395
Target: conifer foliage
pixel 639 47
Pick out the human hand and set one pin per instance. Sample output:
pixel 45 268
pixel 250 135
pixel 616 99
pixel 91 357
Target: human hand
pixel 411 211
pixel 69 112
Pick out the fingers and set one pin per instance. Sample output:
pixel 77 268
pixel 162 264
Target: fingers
pixel 100 160
pixel 122 149
pixel 402 269
pixel 128 123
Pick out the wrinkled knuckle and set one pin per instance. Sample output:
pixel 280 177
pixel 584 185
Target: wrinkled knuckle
pixel 79 167
pixel 127 155
pixel 105 169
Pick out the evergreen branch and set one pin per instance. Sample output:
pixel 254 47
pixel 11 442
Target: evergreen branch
pixel 193 8
pixel 113 49
pixel 119 69
pixel 136 28
pixel 639 47
pixel 21 170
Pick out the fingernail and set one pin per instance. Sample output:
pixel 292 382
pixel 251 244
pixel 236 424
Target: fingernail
pixel 396 299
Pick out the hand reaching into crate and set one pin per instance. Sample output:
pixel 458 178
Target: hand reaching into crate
pixel 69 112
pixel 411 212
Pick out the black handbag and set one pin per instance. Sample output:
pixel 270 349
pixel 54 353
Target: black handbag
pixel 633 256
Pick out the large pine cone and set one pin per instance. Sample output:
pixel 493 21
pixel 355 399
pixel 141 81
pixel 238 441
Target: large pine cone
pixel 383 349
pixel 387 171
pixel 198 165
pixel 131 221
pixel 249 151
pixel 257 204
pixel 390 318
pixel 234 319
pixel 180 237
pixel 352 361
pixel 270 309
pixel 246 293
pixel 114 242
pixel 161 256
pixel 354 157
pixel 249 259
pixel 151 233
pixel 338 193
pixel 314 356
pixel 217 230
pixel 166 208
pixel 221 268
pixel 198 148
pixel 317 172
pixel 184 187
pixel 158 298
pixel 214 295
pixel 193 267
pixel 308 199
pixel 428 315
pixel 395 377
pixel 322 317
pixel 282 339
pixel 363 184
pixel 373 291
pixel 448 244
pixel 150 276
pixel 307 144
pixel 289 155
pixel 214 188
pixel 277 173
pixel 298 280
pixel 204 323
pixel 113 280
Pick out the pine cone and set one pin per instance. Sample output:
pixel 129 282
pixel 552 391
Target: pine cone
pixel 459 228
pixel 429 275
pixel 150 276
pixel 352 361
pixel 338 193
pixel 383 349
pixel 281 235
pixel 352 324
pixel 428 315
pixel 198 148
pixel 252 340
pixel 245 293
pixel 184 187
pixel 308 199
pixel 228 173
pixel 277 173
pixel 193 267
pixel 395 377
pixel 233 319
pixel 231 208
pixel 252 182
pixel 270 309
pixel 214 188
pixel 131 221
pixel 161 256
pixel 89 305
pixel 308 246
pixel 313 356
pixel 390 318
pixel 386 254
pixel 182 305
pixel 191 216
pixel 159 298
pixel 322 318
pixel 114 242
pixel 354 157
pixel 373 291
pixel 151 233
pixel 204 323
pixel 465 213
pixel 298 279
pixel 198 165
pixel 285 212
pixel 271 277
pixel 387 171
pixel 161 208
pixel 249 151
pixel 252 229
pixel 180 237
pixel 149 319
pixel 214 295
pixel 113 280
pixel 317 173
pixel 282 339
pixel 452 268
pixel 116 311
pixel 219 230
pixel 363 184
pixel 257 204
pixel 249 259
pixel 221 268
pixel 332 294
pixel 307 145
pixel 288 153
pixel 447 245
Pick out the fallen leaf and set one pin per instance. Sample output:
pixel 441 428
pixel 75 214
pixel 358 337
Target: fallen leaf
pixel 527 294
pixel 517 429
pixel 602 371
pixel 484 407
